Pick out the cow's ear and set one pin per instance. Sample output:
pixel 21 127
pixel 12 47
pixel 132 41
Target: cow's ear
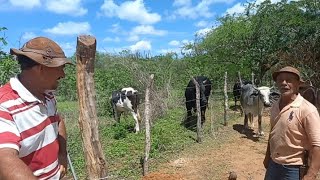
pixel 254 93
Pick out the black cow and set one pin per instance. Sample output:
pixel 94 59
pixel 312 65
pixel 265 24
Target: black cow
pixel 311 94
pixel 190 95
pixel 126 100
pixel 237 90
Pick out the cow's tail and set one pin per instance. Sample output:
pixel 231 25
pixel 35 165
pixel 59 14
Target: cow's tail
pixel 138 116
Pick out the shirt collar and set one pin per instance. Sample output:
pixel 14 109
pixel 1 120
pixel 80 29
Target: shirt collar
pixel 24 93
pixel 297 102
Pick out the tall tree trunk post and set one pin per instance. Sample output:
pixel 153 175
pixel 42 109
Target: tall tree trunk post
pixel 147 116
pixel 95 161
pixel 252 78
pixel 225 89
pixel 199 128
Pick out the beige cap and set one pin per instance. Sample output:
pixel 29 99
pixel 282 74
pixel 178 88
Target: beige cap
pixel 288 69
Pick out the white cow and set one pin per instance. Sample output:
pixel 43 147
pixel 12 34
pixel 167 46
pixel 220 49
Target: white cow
pixel 252 101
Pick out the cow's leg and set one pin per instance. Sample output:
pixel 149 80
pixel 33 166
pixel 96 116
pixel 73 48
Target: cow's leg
pixel 116 113
pixel 203 117
pixel 251 120
pixel 189 109
pixel 241 111
pixel 261 133
pixel 135 116
pixel 245 123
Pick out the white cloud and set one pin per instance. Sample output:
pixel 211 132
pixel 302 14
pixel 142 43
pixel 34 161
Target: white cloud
pixel 141 46
pixel 185 41
pixel 70 7
pixel 28 4
pixel 115 28
pixel 70 28
pixel 109 39
pixel 144 30
pixel 202 24
pixel 203 32
pixel 133 37
pixel 236 9
pixel 182 3
pixel 272 1
pixel 174 43
pixel 147 29
pixel 28 35
pixel 166 51
pixel 130 10
pixel 202 9
pixel 68 48
pixel 240 8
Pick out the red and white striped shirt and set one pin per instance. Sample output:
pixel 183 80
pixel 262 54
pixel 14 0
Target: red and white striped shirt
pixel 31 127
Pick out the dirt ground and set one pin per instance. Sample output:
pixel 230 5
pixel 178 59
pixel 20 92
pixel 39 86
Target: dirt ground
pixel 240 153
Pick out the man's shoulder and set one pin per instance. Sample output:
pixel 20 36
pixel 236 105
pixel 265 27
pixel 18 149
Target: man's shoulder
pixel 7 93
pixel 306 103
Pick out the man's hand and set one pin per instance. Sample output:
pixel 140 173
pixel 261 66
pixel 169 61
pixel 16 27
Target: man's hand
pixel 63 171
pixel 309 177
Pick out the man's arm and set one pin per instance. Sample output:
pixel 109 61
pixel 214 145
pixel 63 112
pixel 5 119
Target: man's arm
pixel 62 139
pixel 13 168
pixel 314 164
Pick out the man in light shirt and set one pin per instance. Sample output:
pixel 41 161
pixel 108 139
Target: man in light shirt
pixel 295 127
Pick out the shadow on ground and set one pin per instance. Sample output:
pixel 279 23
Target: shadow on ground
pixel 248 133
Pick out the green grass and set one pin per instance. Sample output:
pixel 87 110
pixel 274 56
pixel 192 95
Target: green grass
pixel 124 149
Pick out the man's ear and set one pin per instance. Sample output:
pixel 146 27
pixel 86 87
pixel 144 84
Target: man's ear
pixel 38 69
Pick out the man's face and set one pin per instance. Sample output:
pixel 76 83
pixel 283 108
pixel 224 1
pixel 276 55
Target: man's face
pixel 50 76
pixel 287 83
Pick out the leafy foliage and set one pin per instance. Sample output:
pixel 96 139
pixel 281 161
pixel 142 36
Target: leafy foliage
pixel 8 66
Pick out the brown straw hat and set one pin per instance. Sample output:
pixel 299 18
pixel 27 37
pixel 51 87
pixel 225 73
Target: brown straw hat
pixel 44 51
pixel 288 69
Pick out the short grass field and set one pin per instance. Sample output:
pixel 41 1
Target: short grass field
pixel 124 149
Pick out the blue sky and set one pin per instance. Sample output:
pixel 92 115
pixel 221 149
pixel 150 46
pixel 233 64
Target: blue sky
pixel 154 26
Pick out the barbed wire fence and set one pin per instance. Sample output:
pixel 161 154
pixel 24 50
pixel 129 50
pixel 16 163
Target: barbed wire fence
pixel 163 98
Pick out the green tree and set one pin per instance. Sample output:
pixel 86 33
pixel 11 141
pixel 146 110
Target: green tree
pixel 8 66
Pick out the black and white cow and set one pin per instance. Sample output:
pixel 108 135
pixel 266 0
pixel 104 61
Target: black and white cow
pixel 126 100
pixel 253 100
pixel 190 95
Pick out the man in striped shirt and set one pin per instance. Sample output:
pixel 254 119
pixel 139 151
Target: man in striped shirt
pixel 32 135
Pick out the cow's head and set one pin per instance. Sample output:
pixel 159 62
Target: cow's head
pixel 263 93
pixel 203 97
pixel 129 91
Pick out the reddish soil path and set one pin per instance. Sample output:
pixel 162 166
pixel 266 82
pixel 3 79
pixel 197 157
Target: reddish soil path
pixel 215 158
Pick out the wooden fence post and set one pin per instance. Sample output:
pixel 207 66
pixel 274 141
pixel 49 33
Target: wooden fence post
pixel 211 116
pixel 147 116
pixel 199 128
pixel 252 78
pixel 88 121
pixel 225 89
pixel 239 77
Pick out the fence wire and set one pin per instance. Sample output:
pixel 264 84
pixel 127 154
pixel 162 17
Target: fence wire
pixel 163 102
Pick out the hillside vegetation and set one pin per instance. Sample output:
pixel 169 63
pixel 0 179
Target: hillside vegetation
pixel 260 40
